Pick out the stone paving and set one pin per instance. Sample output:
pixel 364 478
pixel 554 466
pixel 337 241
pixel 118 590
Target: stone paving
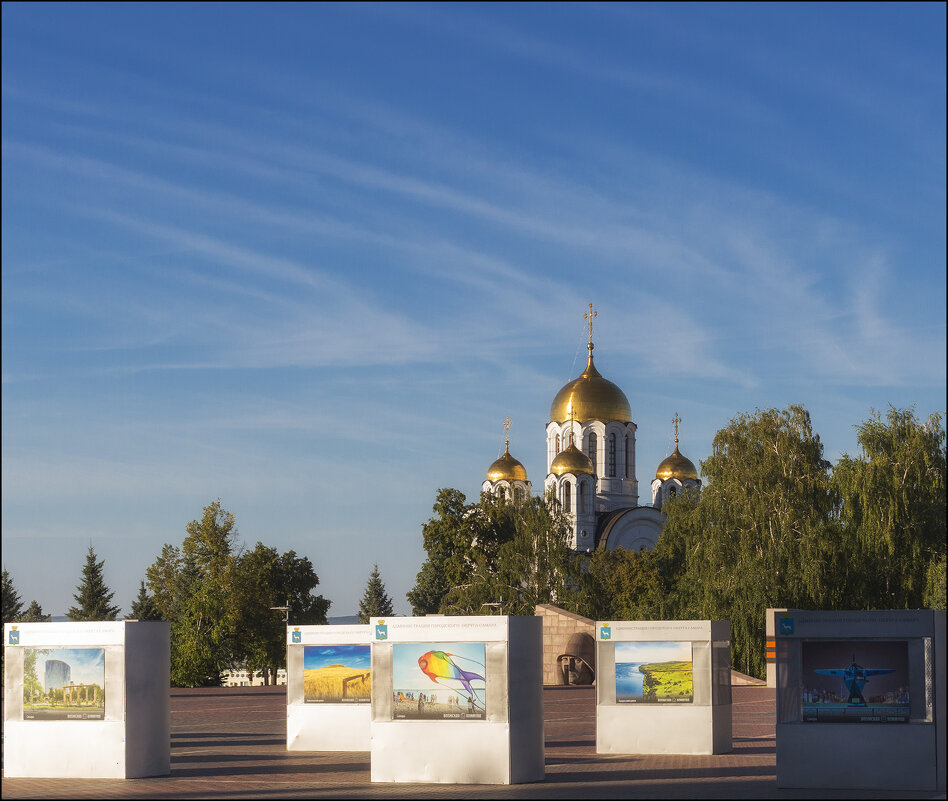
pixel 231 743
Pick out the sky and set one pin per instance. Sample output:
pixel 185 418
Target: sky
pixel 307 258
pixel 640 652
pixel 320 656
pixel 86 665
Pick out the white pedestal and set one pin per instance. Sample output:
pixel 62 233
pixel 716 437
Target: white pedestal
pixel 322 721
pixel 128 661
pixel 639 723
pixel 502 744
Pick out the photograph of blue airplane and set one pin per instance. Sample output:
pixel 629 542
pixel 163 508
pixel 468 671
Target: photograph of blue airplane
pixel 873 687
pixel 854 678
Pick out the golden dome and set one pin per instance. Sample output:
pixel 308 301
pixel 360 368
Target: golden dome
pixel 676 466
pixel 590 397
pixel 506 468
pixel 572 460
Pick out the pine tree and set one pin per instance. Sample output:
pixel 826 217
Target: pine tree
pixel 92 595
pixel 143 607
pixel 375 602
pixel 34 614
pixel 12 605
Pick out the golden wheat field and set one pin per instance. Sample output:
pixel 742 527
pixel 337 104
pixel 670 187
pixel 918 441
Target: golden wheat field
pixel 327 683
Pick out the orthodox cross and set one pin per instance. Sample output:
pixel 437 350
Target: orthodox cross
pixel 676 420
pixel 589 316
pixel 507 429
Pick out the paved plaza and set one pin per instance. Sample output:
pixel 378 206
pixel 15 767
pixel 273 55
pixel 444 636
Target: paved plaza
pixel 231 743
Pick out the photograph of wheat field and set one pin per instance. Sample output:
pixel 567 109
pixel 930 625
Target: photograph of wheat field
pixel 337 674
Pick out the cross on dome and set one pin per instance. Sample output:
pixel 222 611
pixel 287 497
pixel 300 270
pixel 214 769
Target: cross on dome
pixel 588 316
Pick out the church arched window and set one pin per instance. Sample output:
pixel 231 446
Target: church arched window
pixel 567 500
pixel 557 444
pixel 611 463
pixel 628 457
pixel 672 492
pixel 518 494
pixel 582 497
pixel 592 448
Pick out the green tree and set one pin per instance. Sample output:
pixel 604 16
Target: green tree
pixel 535 566
pixel 495 556
pixel 32 686
pixel 761 535
pixel 375 600
pixel 12 605
pixel 621 585
pixel 429 590
pixel 935 591
pixel 143 607
pixel 93 598
pixel 34 614
pixel 462 541
pixel 893 507
pixel 265 579
pixel 192 589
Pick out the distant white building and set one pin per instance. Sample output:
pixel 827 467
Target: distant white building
pixel 245 678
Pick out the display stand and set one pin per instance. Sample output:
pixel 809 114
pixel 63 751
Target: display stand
pixel 87 700
pixel 861 699
pixel 328 688
pixel 663 687
pixel 457 700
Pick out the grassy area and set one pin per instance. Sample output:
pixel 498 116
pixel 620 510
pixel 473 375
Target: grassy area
pixel 667 680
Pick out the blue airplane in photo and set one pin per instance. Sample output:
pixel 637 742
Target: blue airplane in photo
pixel 854 678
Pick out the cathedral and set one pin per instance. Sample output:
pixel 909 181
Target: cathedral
pixel 590 457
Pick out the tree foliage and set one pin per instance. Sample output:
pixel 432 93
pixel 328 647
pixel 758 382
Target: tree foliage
pixel 218 598
pixel 190 586
pixel 497 556
pixel 777 526
pixel 93 597
pixel 143 607
pixel 375 600
pixel 893 505
pixel 774 526
pixel 34 614
pixel 266 579
pixel 12 604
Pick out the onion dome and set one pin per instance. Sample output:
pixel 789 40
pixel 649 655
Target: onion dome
pixel 572 460
pixel 676 466
pixel 590 397
pixel 506 468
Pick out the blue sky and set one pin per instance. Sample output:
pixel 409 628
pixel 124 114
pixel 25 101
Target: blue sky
pixel 637 652
pixel 87 665
pixel 307 258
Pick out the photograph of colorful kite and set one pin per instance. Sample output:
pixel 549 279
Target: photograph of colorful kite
pixel 439 681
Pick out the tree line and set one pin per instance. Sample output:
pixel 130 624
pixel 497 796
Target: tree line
pixel 217 597
pixel 775 525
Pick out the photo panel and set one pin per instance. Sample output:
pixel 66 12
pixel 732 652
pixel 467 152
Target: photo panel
pixel 337 674
pixel 63 684
pixel 439 681
pixel 852 681
pixel 654 673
